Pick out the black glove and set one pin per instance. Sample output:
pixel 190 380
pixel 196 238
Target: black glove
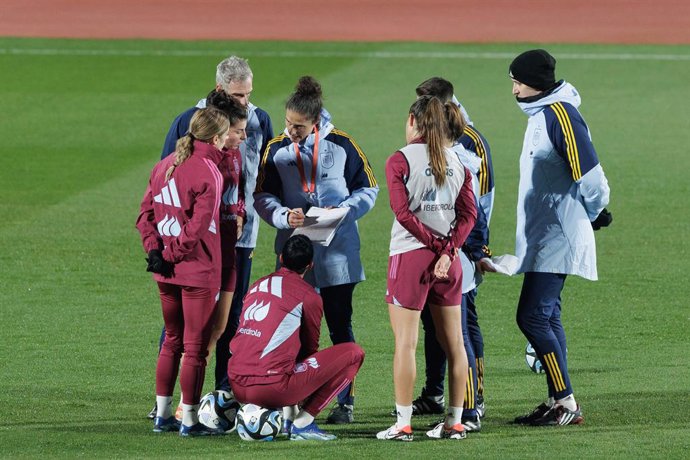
pixel 604 219
pixel 157 264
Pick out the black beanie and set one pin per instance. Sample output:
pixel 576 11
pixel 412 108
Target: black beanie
pixel 535 68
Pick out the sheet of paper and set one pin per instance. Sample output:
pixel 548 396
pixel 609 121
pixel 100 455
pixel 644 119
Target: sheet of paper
pixel 320 224
pixel 506 264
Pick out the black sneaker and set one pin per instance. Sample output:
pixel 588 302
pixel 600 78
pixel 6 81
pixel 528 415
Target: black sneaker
pixel 151 415
pixel 559 415
pixel 340 414
pixel 472 424
pixel 537 413
pixel 425 405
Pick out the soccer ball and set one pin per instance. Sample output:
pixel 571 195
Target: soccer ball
pixel 532 361
pixel 256 423
pixel 218 410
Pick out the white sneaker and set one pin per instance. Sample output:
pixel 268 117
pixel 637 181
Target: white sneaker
pixel 456 431
pixel 396 434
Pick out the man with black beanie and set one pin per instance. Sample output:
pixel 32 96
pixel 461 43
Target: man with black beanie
pixel 561 201
pixel 535 68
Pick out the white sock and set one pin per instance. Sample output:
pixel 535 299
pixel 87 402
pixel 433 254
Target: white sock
pixel 303 419
pixel 568 402
pixel 550 401
pixel 290 412
pixel 164 406
pixel 454 416
pixel 404 414
pixel 190 415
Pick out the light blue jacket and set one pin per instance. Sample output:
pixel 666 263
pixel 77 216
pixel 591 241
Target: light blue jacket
pixel 475 142
pixel 562 188
pixel 344 178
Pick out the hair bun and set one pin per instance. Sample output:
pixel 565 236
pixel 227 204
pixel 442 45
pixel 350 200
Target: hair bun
pixel 308 86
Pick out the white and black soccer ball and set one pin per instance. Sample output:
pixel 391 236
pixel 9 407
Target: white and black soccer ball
pixel 255 423
pixel 532 360
pixel 218 410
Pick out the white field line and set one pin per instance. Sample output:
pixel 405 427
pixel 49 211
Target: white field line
pixel 335 54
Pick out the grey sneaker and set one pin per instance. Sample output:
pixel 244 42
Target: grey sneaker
pixel 151 415
pixel 340 414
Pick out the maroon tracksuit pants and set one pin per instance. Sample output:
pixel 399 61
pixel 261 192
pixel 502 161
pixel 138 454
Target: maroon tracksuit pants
pixel 314 382
pixel 188 315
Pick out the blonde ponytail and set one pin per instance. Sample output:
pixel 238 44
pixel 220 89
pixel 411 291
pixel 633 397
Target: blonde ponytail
pixel 204 126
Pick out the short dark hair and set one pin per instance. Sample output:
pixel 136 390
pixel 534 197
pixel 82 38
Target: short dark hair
pixel 297 253
pixel 436 86
pixel 228 105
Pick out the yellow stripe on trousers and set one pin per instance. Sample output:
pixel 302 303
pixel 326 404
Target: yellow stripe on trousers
pixel 554 371
pixel 469 391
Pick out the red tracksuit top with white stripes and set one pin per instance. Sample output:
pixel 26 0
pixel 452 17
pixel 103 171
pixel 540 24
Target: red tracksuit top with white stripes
pixel 180 216
pixel 279 325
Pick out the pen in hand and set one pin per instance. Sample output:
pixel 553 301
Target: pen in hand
pixel 295 217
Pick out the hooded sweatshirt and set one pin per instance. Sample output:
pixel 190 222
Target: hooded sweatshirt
pixel 562 188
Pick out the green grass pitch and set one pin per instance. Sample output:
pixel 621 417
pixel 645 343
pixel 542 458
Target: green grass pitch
pixel 82 123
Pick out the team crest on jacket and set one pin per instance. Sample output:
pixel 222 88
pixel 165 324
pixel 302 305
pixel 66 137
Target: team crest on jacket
pixel 299 368
pixel 327 160
pixel 536 136
pixel 303 366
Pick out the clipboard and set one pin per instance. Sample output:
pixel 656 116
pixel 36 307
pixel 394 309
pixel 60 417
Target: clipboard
pixel 320 224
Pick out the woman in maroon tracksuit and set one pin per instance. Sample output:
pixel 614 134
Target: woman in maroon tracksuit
pixel 232 214
pixel 179 226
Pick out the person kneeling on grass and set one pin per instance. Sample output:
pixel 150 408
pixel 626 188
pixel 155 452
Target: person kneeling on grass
pixel 275 359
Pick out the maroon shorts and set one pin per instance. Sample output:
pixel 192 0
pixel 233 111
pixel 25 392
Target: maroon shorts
pixel 228 278
pixel 411 281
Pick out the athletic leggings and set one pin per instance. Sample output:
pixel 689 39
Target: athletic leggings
pixel 188 314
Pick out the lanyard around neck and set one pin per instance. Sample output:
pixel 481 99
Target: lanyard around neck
pixel 315 161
